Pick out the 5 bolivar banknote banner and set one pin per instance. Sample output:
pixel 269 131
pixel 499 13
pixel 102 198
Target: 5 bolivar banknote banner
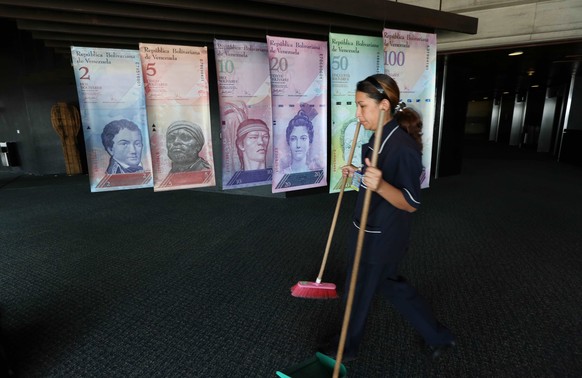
pixel 244 93
pixel 299 99
pixel 410 59
pixel 178 112
pixel 352 58
pixel 112 103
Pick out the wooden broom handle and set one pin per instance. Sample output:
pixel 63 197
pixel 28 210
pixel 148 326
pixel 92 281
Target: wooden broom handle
pixel 359 245
pixel 337 206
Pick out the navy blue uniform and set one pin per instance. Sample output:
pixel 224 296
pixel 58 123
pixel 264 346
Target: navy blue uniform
pixel 386 241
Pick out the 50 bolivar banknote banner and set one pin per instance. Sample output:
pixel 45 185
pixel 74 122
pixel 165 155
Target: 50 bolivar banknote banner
pixel 352 58
pixel 112 104
pixel 244 93
pixel 299 97
pixel 178 111
pixel 410 59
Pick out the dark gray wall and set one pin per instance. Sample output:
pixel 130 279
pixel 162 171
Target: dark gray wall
pixel 32 81
pixel 454 118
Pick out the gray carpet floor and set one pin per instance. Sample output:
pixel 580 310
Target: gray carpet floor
pixel 196 284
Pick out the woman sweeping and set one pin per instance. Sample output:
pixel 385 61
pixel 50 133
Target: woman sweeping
pixel 395 186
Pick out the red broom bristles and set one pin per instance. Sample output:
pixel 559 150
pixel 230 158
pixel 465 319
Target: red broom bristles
pixel 314 290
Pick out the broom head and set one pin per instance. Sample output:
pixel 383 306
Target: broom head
pixel 314 290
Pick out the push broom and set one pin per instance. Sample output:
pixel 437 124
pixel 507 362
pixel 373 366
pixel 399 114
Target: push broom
pixel 358 254
pixel 318 289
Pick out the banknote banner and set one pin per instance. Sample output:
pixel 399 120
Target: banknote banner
pixel 298 70
pixel 177 100
pixel 113 112
pixel 244 94
pixel 352 58
pixel 410 59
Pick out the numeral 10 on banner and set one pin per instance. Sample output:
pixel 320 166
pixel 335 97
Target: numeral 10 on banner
pixel 394 58
pixel 226 66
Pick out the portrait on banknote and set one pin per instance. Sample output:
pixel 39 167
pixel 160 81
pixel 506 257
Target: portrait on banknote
pixel 123 141
pixel 299 135
pixel 347 137
pixel 352 58
pixel 410 59
pixel 244 93
pixel 112 106
pixel 184 142
pixel 299 92
pixel 252 144
pixel 178 112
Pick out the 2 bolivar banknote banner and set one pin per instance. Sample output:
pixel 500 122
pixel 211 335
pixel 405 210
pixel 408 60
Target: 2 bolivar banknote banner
pixel 178 112
pixel 352 58
pixel 112 104
pixel 410 59
pixel 299 99
pixel 244 93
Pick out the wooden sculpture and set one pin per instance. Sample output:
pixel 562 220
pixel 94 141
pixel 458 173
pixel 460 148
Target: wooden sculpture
pixel 67 123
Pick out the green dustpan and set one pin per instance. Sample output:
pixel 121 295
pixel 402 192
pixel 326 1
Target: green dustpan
pixel 318 366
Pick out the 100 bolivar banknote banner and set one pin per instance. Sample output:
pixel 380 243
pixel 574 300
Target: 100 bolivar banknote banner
pixel 177 99
pixel 244 93
pixel 352 58
pixel 112 104
pixel 299 97
pixel 410 59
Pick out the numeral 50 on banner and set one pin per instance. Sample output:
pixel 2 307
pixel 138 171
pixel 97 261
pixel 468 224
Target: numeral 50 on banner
pixel 340 63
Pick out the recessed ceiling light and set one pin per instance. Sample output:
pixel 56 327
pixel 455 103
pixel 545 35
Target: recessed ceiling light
pixel 515 53
pixel 535 86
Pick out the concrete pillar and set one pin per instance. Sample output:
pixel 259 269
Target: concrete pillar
pixel 494 128
pixel 547 124
pixel 571 138
pixel 517 121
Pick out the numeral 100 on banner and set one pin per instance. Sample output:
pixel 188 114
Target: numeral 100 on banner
pixel 394 58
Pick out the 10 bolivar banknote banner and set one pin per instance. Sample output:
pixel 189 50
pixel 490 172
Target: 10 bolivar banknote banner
pixel 299 97
pixel 410 59
pixel 112 103
pixel 177 99
pixel 352 58
pixel 244 93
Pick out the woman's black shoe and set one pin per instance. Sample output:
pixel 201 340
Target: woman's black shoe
pixel 436 351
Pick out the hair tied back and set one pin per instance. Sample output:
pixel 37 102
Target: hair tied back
pixel 400 107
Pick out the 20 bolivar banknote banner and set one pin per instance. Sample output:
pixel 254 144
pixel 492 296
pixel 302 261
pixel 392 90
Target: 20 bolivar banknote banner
pixel 244 93
pixel 112 104
pixel 176 87
pixel 352 58
pixel 410 59
pixel 299 97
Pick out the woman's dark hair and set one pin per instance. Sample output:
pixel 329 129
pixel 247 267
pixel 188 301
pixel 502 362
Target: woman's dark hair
pixel 379 87
pixel 301 119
